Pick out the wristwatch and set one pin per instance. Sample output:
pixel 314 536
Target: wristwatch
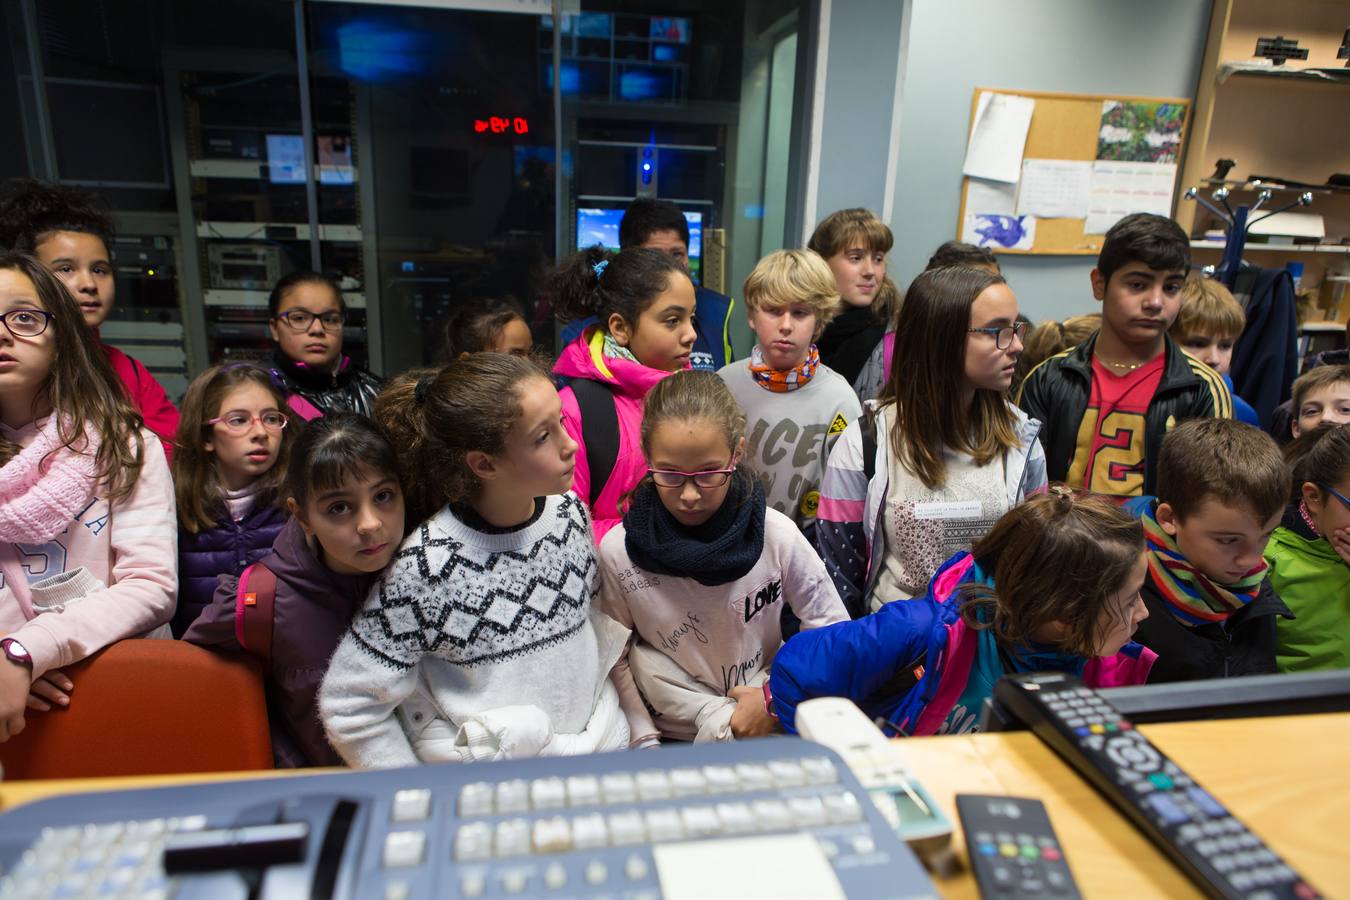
pixel 16 652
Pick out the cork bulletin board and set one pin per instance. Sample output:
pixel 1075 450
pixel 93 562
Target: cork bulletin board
pixel 1074 127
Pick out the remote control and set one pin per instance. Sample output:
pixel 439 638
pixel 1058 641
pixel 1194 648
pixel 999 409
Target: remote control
pixel 1210 845
pixel 879 765
pixel 1013 850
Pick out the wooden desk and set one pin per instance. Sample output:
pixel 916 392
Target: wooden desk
pixel 1287 778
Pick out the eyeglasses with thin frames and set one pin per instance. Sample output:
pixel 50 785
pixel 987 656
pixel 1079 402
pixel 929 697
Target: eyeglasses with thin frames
pixel 238 421
pixel 301 319
pixel 1003 334
pixel 707 479
pixel 26 322
pixel 1335 493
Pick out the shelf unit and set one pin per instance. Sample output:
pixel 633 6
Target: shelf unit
pixel 1290 122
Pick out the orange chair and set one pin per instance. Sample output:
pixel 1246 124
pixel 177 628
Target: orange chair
pixel 148 707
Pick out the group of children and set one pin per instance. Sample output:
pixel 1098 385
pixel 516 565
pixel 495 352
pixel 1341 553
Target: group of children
pixel 490 559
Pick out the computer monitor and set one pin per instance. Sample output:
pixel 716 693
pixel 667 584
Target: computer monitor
pixel 1290 694
pixel 596 225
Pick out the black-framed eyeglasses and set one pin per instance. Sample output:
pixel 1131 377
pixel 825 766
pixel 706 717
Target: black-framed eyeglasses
pixel 301 319
pixel 26 322
pixel 707 479
pixel 1003 335
pixel 1335 493
pixel 239 421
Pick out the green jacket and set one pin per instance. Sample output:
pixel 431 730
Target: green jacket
pixel 1315 584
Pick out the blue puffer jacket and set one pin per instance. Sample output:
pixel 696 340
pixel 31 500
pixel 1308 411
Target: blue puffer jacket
pixel 226 549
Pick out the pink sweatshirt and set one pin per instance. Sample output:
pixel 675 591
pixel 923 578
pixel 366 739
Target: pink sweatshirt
pixel 147 395
pixel 630 382
pixel 131 547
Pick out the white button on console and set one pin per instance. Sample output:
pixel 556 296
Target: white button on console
pixel 843 808
pixel 653 784
pixel 548 793
pixel 807 812
pixel 555 877
pixel 583 790
pixel 721 779
pixel 513 796
pixel 515 881
pixel 590 832
pixel 687 782
pixel 404 849
pixel 476 799
pixel 772 814
pixel 473 885
pixel 754 776
pixel 596 872
pixel 663 825
pixel 626 828
pixel 411 806
pixel 397 890
pixel 618 787
pixel 552 835
pixel 700 821
pixel 819 770
pixel 736 818
pixel 473 841
pixel 635 868
pixel 787 773
pixel 512 838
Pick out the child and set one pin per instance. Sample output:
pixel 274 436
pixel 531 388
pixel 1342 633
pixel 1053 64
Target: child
pixel 1309 554
pixel 931 467
pixel 700 570
pixel 1222 487
pixel 1051 337
pixel 233 445
pixel 796 407
pixel 1207 327
pixel 485 634
pixel 877 370
pixel 346 522
pixel 660 225
pixel 87 553
pixel 1054 586
pixel 307 313
pixel 644 302
pixel 1107 403
pixel 494 324
pixel 1321 397
pixel 70 235
pixel 855 243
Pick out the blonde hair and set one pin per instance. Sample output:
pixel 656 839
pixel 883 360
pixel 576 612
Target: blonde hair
pixel 787 277
pixel 858 227
pixel 1315 380
pixel 1208 308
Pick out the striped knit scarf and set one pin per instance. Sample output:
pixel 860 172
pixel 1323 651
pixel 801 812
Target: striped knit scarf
pixel 780 381
pixel 1191 598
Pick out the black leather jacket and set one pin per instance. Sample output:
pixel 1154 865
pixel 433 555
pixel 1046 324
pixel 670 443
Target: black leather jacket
pixel 1057 391
pixel 351 389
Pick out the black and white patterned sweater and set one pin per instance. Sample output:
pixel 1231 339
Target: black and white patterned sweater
pixel 478 622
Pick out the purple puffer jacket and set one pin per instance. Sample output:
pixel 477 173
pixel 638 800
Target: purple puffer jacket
pixel 313 606
pixel 224 550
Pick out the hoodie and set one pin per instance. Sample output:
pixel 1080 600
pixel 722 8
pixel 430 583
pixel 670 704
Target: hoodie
pixel 309 617
pixel 629 382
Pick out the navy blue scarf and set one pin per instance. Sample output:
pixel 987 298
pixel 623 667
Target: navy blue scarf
pixel 720 551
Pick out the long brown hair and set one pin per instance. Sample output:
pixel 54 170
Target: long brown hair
pixel 196 481
pixel 929 373
pixel 859 227
pixel 1055 558
pixel 435 417
pixel 82 387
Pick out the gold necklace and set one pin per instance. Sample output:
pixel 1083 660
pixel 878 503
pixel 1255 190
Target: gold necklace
pixel 1129 367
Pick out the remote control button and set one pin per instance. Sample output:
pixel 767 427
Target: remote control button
pixel 986 849
pixel 1003 877
pixel 1029 851
pixel 1031 885
pixel 1057 881
pixel 1304 891
pixel 412 806
pixel 1051 854
pixel 1190 832
pixel 1009 850
pixel 555 877
pixel 1208 804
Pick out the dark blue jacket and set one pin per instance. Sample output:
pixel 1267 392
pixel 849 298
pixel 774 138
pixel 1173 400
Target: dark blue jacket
pixel 1265 359
pixel 226 549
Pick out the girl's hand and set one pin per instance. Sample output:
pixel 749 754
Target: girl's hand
pixel 751 718
pixel 52 687
pixel 14 683
pixel 1340 542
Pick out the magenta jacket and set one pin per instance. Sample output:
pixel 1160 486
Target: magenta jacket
pixel 630 382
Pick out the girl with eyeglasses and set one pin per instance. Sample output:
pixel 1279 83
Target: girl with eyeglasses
pixel 941 455
pixel 1309 554
pixel 68 232
pixel 233 445
pixel 307 314
pixel 86 503
pixel 700 570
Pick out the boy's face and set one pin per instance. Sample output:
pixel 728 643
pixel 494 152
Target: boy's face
pixel 1139 303
pixel 669 242
pixel 1324 404
pixel 784 333
pixel 1225 541
pixel 1215 351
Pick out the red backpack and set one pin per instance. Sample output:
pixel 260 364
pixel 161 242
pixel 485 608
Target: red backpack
pixel 254 600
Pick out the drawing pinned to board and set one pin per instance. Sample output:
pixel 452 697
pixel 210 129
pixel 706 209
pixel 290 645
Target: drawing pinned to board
pixel 999 232
pixel 1140 131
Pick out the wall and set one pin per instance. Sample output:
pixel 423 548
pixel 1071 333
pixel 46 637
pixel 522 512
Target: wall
pixel 1143 47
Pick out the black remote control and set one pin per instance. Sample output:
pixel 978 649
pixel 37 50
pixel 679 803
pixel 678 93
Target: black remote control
pixel 1210 845
pixel 1013 850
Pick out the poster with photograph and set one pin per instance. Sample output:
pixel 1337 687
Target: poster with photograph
pixel 1140 131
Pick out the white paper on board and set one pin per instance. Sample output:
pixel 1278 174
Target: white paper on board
pixel 995 198
pixel 998 137
pixel 999 232
pixel 1121 188
pixel 1055 188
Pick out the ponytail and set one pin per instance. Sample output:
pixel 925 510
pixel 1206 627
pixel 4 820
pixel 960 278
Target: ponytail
pixel 598 283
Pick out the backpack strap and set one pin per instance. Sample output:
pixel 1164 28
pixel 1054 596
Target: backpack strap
pixel 869 443
pixel 254 600
pixel 599 432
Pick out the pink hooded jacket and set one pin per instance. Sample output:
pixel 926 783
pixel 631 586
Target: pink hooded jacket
pixel 629 382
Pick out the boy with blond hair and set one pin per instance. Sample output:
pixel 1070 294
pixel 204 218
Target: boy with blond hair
pixel 1208 326
pixel 1222 490
pixel 795 406
pixel 1321 396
